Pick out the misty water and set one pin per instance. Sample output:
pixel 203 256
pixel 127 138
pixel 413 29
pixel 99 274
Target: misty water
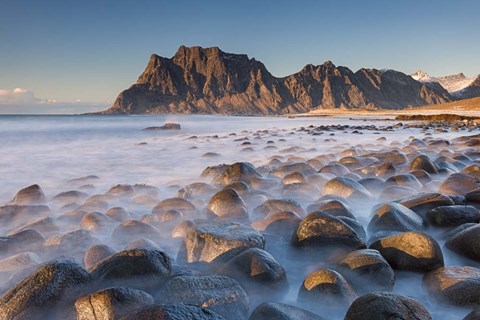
pixel 51 150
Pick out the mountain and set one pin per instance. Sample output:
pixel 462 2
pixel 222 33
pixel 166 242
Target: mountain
pixel 458 85
pixel 208 80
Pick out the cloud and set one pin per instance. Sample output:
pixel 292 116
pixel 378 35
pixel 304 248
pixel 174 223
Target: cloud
pixel 24 101
pixel 17 96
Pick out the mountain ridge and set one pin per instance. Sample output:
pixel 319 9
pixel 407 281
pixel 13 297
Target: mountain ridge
pixel 208 80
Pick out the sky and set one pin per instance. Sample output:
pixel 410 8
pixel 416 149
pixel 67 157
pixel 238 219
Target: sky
pixel 76 56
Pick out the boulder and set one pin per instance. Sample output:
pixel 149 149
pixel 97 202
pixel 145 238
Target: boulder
pixel 139 269
pixel 319 229
pixel 222 295
pixel 280 311
pixel 424 202
pixel 394 217
pixel 452 216
pixel 366 270
pixel 177 311
pixel 131 230
pixel 386 306
pixel 95 254
pixel 209 241
pixel 466 243
pixel 410 251
pixel 38 296
pixel 272 206
pixel 31 195
pixel 227 203
pixel 454 285
pixel 459 184
pixel 111 303
pixel 240 171
pixel 422 162
pixel 346 188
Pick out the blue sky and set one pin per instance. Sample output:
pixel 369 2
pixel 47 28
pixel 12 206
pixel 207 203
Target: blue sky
pixel 86 52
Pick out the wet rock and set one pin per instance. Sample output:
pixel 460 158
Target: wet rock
pixel 459 184
pixel 220 294
pixel 346 188
pixel 280 311
pixel 326 289
pixel 139 269
pixel 142 243
pixel 454 285
pixel 182 205
pixel 450 233
pixel 72 196
pixel 319 229
pixel 295 177
pixel 334 207
pixel 96 222
pixel 394 217
pixel 13 213
pixel 118 214
pixel 181 230
pixel 273 206
pixel 280 224
pixel 422 162
pixel 452 216
pixel 209 241
pixel 335 169
pixel 111 303
pixel 374 185
pixel 95 254
pixel 132 230
pixel 303 168
pixel 405 180
pixel 240 171
pixel 178 311
pixel 31 195
pixel 366 270
pixel 474 315
pixel 424 202
pixel 410 251
pixel 227 203
pixel 386 306
pixel 38 296
pixel 43 225
pixel 19 262
pixel 72 243
pixel 28 239
pixel 391 193
pixel 466 243
pixel 255 265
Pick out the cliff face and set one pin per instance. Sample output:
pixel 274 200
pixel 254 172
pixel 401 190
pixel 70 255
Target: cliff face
pixel 198 80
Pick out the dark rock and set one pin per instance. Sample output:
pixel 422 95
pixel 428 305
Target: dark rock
pixel 386 306
pixel 240 171
pixel 210 241
pixel 131 230
pixel 95 254
pixel 280 311
pixel 139 269
pixel 346 188
pixel 424 202
pixel 394 217
pixel 273 206
pixel 111 303
pixel 454 285
pixel 166 126
pixel 422 162
pixel 366 270
pixel 452 216
pixel 178 311
pixel 326 289
pixel 227 203
pixel 459 184
pixel 52 285
pixel 222 295
pixel 410 251
pixel 322 229
pixel 31 195
pixel 466 243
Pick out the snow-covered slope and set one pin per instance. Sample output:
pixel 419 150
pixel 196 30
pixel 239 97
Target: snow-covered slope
pixel 454 84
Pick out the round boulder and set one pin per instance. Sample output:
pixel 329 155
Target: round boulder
pixel 466 243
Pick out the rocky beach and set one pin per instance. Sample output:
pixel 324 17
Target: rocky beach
pixel 259 218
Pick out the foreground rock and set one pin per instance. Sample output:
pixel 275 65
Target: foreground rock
pixel 394 217
pixel 32 195
pixel 40 295
pixel 280 311
pixel 220 294
pixel 466 243
pixel 326 289
pixel 386 306
pixel 366 270
pixel 178 311
pixel 410 251
pixel 454 285
pixel 209 241
pixel 139 269
pixel 110 304
pixel 320 229
pixel 452 216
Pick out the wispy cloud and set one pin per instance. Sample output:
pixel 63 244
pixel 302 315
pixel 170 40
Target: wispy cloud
pixel 24 101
